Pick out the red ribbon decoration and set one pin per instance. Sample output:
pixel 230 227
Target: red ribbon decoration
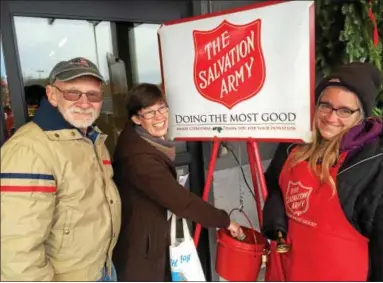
pixel 373 19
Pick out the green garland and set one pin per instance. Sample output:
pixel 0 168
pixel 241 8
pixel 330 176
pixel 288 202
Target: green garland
pixel 344 33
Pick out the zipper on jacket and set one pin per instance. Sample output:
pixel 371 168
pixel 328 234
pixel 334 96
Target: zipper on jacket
pixel 360 162
pixel 112 232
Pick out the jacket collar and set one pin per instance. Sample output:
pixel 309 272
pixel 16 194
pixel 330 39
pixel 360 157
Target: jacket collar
pixel 370 151
pixel 365 132
pixel 49 119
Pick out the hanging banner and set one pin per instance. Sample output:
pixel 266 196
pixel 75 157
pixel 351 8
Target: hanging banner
pixel 243 73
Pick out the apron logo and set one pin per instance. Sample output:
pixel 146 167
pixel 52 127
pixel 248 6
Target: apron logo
pixel 229 65
pixel 297 198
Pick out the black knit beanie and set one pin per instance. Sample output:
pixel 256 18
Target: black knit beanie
pixel 364 79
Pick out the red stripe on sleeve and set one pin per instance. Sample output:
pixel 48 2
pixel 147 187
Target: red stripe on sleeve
pixel 26 189
pixel 106 162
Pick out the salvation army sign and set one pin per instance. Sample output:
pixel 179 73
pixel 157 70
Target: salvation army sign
pixel 234 76
pixel 245 73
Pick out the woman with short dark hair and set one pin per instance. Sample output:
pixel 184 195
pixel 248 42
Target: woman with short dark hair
pixel 147 181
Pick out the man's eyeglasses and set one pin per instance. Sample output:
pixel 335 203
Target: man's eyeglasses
pixel 152 113
pixel 343 112
pixel 74 95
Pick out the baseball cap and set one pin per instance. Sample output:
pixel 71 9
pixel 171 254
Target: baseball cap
pixel 74 68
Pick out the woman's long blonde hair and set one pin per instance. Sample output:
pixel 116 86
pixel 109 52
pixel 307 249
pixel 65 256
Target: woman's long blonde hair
pixel 325 152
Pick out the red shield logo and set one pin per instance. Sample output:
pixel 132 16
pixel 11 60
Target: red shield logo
pixel 297 198
pixel 229 65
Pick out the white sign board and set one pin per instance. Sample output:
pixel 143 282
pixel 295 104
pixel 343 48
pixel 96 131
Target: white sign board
pixel 245 73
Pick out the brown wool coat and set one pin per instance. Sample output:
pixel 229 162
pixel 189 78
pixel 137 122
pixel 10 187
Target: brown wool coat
pixel 146 179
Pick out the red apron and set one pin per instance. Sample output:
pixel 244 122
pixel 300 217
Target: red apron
pixel 324 245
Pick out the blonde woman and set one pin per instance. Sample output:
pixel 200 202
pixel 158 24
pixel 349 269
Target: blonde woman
pixel 326 197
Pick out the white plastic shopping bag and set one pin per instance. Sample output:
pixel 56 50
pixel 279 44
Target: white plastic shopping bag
pixel 184 261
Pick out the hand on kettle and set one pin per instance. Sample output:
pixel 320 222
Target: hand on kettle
pixel 235 229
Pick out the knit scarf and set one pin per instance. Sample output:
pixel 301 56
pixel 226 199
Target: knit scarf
pixel 167 147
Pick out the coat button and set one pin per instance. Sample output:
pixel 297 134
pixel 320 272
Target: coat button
pixel 66 231
pixel 57 135
pixel 111 201
pixel 73 134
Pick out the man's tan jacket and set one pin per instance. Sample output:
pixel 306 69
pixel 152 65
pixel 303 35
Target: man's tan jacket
pixel 60 209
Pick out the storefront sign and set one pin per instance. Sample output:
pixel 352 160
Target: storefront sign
pixel 245 73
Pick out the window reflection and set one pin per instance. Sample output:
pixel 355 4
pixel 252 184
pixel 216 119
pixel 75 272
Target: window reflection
pixel 145 56
pixel 6 100
pixel 54 40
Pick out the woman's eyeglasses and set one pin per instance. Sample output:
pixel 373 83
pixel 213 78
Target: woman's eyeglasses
pixel 152 113
pixel 74 95
pixel 343 112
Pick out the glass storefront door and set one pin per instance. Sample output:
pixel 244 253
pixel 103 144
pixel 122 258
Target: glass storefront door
pixel 61 39
pixel 54 40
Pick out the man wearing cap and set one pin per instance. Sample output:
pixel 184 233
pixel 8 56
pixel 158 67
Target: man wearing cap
pixel 60 210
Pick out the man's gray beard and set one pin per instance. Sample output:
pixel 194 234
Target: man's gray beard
pixel 80 124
